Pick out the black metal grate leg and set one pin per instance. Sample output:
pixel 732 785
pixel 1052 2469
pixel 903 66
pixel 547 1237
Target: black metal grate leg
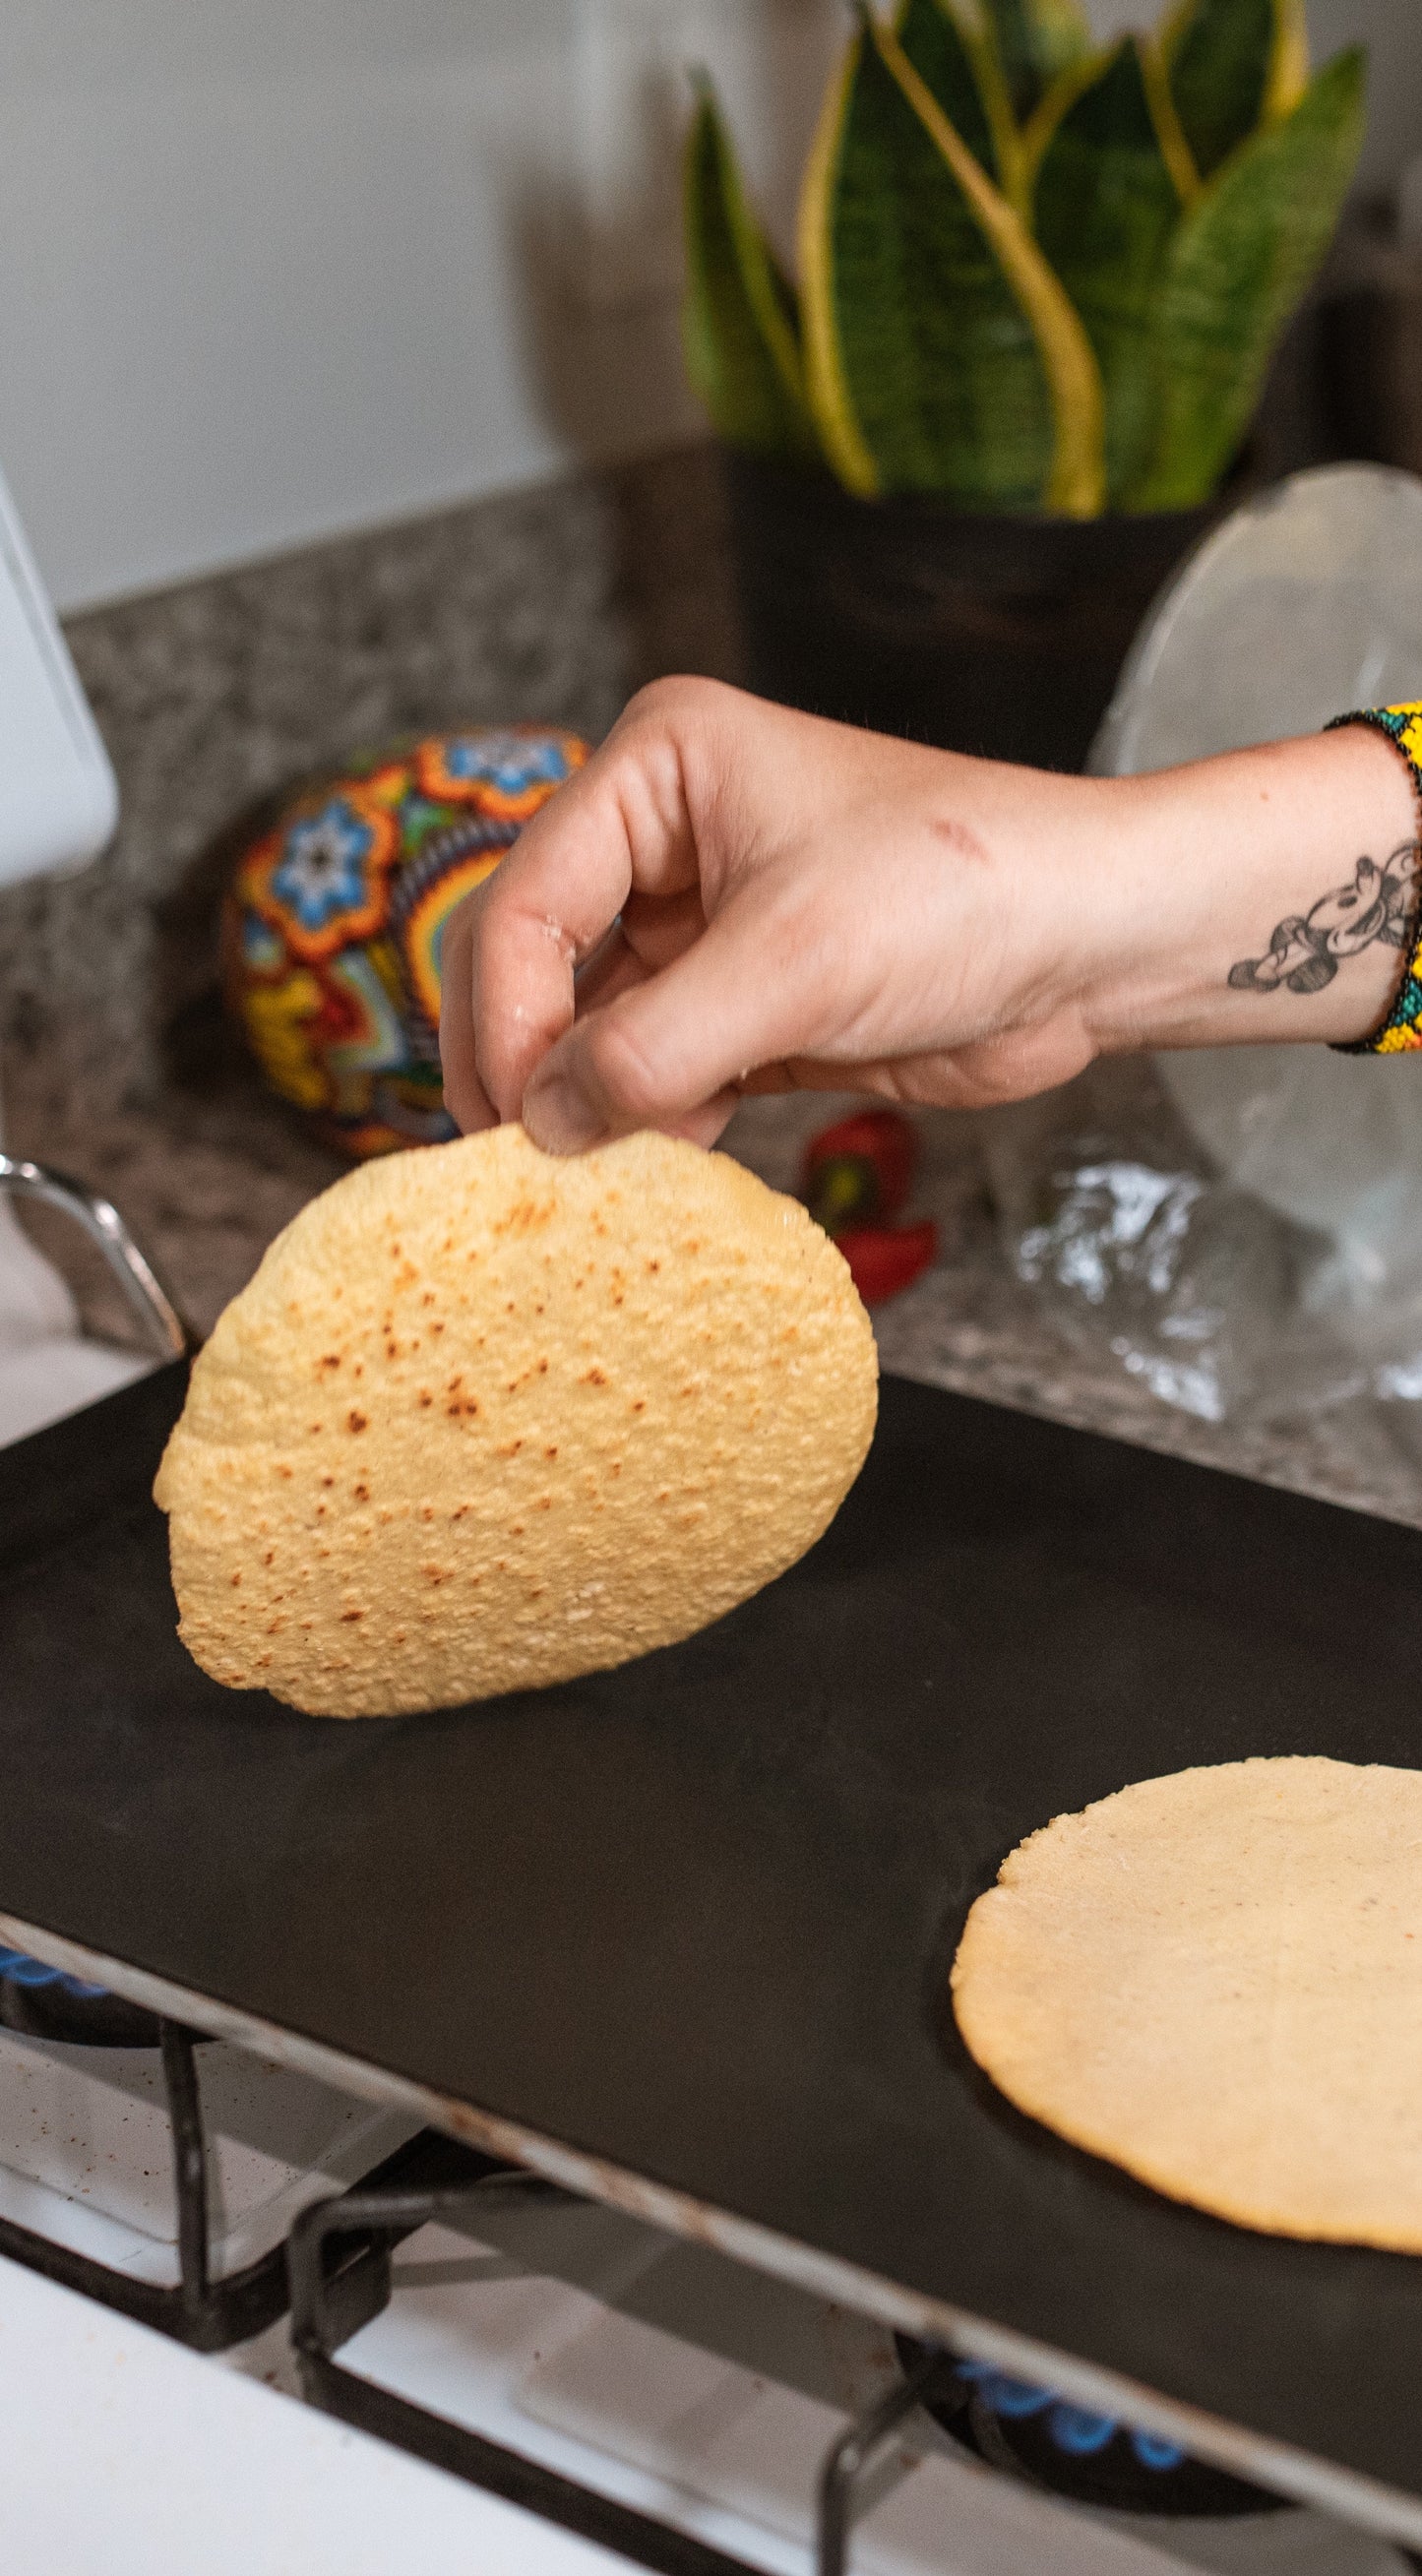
pixel 180 2078
pixel 852 2453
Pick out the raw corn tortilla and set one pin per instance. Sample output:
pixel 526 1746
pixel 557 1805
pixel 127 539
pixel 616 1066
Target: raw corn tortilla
pixel 1215 1980
pixel 485 1419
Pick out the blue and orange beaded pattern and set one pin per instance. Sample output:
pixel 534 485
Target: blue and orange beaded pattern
pixel 1401 1031
pixel 334 924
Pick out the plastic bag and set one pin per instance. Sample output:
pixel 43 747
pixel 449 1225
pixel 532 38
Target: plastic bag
pixel 1196 1289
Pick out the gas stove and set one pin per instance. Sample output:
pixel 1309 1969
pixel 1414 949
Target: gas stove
pixel 672 2381
pixel 652 2401
pixel 652 2395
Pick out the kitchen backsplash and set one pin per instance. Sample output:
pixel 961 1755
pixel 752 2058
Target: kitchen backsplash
pixel 552 604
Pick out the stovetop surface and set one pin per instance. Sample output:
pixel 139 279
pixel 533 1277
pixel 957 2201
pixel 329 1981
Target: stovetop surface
pixel 695 1918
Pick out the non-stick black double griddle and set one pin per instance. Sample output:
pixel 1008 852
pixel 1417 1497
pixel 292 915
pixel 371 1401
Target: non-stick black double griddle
pixel 693 1920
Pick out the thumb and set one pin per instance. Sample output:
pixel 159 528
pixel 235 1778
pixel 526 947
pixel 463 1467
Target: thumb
pixel 670 1052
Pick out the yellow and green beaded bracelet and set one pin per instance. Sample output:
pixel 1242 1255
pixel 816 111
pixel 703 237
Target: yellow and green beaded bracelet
pixel 1402 1029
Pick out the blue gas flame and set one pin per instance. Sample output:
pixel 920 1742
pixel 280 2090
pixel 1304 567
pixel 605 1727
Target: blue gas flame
pixel 22 1971
pixel 1072 2428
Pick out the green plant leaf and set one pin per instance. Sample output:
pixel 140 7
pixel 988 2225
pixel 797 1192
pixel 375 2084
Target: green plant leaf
pixel 941 353
pixel 1179 159
pixel 1106 207
pixel 1233 66
pixel 739 317
pixel 950 65
pixel 1239 262
pixel 1290 66
pixel 1037 40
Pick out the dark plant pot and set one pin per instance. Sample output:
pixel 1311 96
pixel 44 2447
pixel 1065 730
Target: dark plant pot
pixel 1001 635
pixel 1371 356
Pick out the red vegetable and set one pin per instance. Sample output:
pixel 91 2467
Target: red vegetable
pixel 885 1258
pixel 860 1170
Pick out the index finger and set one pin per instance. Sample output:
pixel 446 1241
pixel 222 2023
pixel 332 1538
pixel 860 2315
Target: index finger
pixel 620 822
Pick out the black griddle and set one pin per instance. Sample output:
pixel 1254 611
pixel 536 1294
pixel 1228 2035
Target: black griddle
pixel 695 1918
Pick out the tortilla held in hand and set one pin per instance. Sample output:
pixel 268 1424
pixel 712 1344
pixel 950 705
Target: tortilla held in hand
pixel 1215 1980
pixel 484 1419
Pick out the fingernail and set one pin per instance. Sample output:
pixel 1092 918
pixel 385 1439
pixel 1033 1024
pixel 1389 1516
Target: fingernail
pixel 560 1117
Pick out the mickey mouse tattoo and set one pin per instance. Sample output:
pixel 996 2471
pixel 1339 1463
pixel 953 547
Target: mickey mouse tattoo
pixel 1307 949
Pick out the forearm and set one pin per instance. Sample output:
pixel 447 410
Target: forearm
pixel 756 898
pixel 1264 896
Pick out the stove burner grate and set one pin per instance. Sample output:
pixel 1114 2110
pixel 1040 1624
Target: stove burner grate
pixel 206 2313
pixel 337 2288
pixel 210 2314
pixel 1091 2459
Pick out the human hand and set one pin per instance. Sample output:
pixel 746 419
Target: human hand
pixel 733 897
pixel 758 900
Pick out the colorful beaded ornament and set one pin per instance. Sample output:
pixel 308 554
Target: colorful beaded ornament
pixel 1401 1031
pixel 335 919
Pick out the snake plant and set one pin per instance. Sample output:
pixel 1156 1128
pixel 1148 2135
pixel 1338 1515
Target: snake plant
pixel 1034 273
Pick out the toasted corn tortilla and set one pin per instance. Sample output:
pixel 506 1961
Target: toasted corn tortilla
pixel 1215 1980
pixel 485 1419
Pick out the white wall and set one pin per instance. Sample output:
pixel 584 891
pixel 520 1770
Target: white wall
pixel 276 268
pixel 281 267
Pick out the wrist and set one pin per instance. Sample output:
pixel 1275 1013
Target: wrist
pixel 1262 896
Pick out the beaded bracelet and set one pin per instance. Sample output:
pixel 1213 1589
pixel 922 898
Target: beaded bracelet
pixel 1402 1029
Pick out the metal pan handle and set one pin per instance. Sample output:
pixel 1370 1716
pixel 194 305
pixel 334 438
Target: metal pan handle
pixel 159 1317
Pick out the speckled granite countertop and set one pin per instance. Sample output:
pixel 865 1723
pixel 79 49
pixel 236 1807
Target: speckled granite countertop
pixel 551 605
